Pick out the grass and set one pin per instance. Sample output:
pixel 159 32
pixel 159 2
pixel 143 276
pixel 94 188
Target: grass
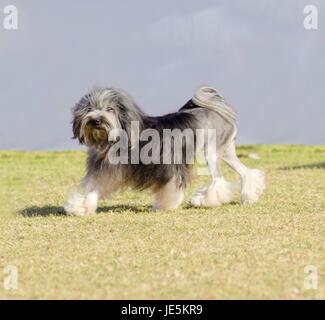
pixel 125 251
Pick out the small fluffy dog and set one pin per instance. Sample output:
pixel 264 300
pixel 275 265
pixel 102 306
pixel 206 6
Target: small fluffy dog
pixel 101 114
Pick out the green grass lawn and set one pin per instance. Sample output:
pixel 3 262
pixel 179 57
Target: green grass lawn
pixel 126 251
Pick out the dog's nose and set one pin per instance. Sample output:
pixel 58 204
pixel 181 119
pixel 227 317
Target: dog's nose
pixel 95 122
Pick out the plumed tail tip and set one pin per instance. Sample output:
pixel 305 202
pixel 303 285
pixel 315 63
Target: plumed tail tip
pixel 210 98
pixel 206 93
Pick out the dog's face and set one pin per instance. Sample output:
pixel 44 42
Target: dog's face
pixel 95 115
pixel 100 114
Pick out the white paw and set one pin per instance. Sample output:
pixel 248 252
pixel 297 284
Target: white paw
pixel 206 197
pixel 253 186
pixel 81 205
pixel 225 190
pixel 75 211
pixel 198 198
pixel 220 191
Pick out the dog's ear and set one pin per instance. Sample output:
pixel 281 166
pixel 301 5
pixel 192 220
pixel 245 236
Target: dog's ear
pixel 76 125
pixel 78 112
pixel 130 121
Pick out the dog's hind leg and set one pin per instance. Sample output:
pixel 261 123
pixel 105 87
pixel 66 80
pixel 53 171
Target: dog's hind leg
pixel 252 180
pixel 219 191
pixel 168 197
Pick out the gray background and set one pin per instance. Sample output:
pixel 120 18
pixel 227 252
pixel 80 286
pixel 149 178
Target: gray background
pixel 257 53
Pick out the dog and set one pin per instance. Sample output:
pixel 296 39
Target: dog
pixel 109 119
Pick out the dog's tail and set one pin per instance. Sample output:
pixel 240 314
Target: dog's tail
pixel 210 98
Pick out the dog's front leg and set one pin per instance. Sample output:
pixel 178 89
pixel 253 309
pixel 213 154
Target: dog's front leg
pixel 83 201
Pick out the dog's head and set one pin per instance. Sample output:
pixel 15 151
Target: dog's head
pixel 100 113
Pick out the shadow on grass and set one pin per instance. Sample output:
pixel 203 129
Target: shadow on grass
pixel 46 211
pixel 123 208
pixel 320 165
pixel 188 206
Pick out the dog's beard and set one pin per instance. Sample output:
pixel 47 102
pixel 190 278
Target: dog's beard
pixel 96 137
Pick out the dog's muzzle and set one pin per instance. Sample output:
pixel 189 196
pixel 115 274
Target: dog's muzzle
pixel 95 122
pixel 96 132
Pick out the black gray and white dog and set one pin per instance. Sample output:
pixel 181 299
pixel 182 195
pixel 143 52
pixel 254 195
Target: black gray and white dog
pixel 106 118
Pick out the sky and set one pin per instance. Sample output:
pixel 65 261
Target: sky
pixel 257 53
